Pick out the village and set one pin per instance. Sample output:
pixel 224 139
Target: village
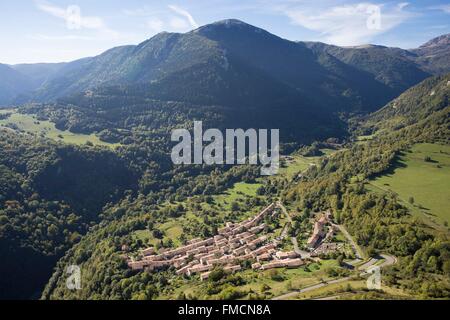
pixel 234 244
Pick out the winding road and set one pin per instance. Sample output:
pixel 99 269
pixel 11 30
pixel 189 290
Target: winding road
pixel 388 260
pixel 301 253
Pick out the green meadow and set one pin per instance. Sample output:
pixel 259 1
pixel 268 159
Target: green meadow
pixel 263 283
pixel 421 178
pixel 173 228
pixel 29 123
pixel 296 164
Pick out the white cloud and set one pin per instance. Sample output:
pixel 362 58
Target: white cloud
pixel 169 18
pixel 444 7
pixel 351 24
pixel 74 19
pixel 184 13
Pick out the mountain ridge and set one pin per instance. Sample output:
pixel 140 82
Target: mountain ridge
pixel 308 68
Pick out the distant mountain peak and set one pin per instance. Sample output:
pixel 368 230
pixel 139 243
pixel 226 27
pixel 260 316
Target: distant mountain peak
pixel 443 40
pixel 230 22
pixel 234 24
pixel 365 46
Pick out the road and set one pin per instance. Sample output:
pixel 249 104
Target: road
pixel 388 260
pixel 310 288
pixel 356 248
pixel 303 254
pixel 285 231
pixel 368 264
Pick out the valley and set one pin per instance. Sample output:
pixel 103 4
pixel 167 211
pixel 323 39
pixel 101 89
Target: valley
pixel 87 179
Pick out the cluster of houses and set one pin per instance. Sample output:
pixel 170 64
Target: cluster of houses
pixel 234 244
pixel 319 242
pixel 326 248
pixel 319 234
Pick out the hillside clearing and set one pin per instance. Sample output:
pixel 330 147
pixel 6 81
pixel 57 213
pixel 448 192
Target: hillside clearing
pixel 30 124
pixel 421 179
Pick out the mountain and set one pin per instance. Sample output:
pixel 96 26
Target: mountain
pixel 231 63
pixel 430 97
pixel 251 77
pixel 395 68
pixel 20 80
pixel 12 83
pixel 38 73
pixel 433 56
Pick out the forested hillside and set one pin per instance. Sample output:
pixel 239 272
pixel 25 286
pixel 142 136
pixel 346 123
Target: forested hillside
pixel 414 105
pixel 12 83
pixel 231 64
pixel 51 194
pixel 378 221
pixel 63 202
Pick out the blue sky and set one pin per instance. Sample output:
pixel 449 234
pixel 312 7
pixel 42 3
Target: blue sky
pixel 63 30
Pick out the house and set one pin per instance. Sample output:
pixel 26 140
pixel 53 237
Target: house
pixel 148 252
pixel 234 243
pixel 312 241
pixel 194 241
pixel 264 257
pixel 234 268
pixel 198 268
pixel 204 275
pixel 318 231
pixel 286 255
pixel 271 265
pixel 291 263
pixel 137 265
pixel 256 266
pixel 288 263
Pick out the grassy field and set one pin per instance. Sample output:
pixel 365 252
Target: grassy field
pixel 351 289
pixel 423 186
pixel 288 280
pixel 237 193
pixel 292 278
pixel 296 164
pixel 30 124
pixel 173 228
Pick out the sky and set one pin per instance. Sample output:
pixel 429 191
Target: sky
pixel 33 31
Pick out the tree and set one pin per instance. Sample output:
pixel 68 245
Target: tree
pixel 265 287
pixel 446 267
pixel 275 275
pixel 157 234
pixel 340 260
pixel 216 275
